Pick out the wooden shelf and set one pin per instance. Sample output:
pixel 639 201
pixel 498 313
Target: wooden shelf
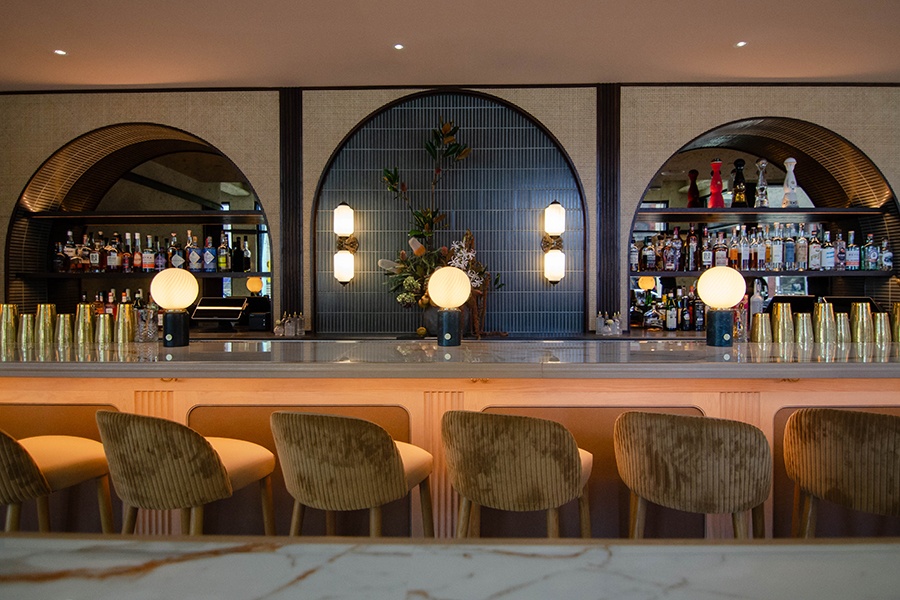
pixel 739 216
pixel 199 217
pixel 141 275
pixel 767 273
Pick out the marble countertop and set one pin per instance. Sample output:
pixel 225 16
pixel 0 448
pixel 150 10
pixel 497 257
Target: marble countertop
pixel 382 358
pixel 95 568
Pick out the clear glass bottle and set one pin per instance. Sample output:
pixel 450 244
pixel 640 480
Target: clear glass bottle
pixel 175 253
pixel 840 252
pixel 223 256
pixel 790 248
pixel 720 251
pixel 744 250
pixel 634 256
pixel 248 257
pixel 886 260
pixel 853 254
pixel 160 259
pixel 648 255
pixel 706 253
pixel 734 250
pixel 209 256
pixel 692 251
pixel 801 251
pixel 149 259
pixel 827 252
pixel 777 261
pixel 194 256
pixel 815 251
pixel 869 254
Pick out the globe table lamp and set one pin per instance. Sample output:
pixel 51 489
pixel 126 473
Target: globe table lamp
pixel 175 290
pixel 449 288
pixel 254 285
pixel 720 288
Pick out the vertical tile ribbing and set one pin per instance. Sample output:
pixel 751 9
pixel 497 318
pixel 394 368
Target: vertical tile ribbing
pixel 608 156
pixel 291 260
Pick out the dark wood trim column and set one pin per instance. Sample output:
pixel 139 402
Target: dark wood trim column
pixel 608 157
pixel 291 257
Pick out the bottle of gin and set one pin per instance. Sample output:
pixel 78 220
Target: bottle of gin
pixel 827 252
pixel 852 252
pixel 886 260
pixel 869 254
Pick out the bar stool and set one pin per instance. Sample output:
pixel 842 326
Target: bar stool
pixel 337 463
pixel 515 463
pixel 34 467
pixel 693 464
pixel 159 464
pixel 848 457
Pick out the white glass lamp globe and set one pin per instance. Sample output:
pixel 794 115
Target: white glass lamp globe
pixel 554 265
pixel 555 219
pixel 647 283
pixel 449 287
pixel 174 289
pixel 344 266
pixel 343 220
pixel 721 287
pixel 254 285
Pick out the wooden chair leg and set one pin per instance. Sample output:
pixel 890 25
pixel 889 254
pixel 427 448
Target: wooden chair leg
pixel 330 522
pixel 584 513
pixel 808 509
pixel 637 517
pixel 13 514
pixel 462 523
pixel 375 521
pixel 475 521
pixel 553 523
pixel 43 513
pixel 739 523
pixel 197 520
pixel 129 518
pixel 758 515
pixel 105 504
pixel 296 518
pixel 185 521
pixel 268 508
pixel 427 511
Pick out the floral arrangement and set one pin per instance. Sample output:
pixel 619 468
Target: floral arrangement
pixel 408 274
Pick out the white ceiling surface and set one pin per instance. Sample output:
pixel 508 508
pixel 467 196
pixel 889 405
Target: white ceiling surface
pixel 114 44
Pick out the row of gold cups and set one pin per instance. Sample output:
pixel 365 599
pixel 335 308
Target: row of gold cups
pixel 824 326
pixel 45 327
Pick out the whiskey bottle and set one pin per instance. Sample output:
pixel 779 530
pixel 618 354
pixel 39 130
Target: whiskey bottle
pixel 692 252
pixel 678 249
pixel 71 248
pixel 734 250
pixel 852 252
pixel 648 255
pixel 60 260
pixel 148 261
pixel 720 251
pixel 670 262
pixel 96 256
pixel 137 254
pixel 707 256
pixel 125 257
pixel 87 245
pixel 840 252
pixel 113 260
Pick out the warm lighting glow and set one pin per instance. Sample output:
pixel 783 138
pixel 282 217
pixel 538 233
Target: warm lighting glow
pixel 174 289
pixel 398 46
pixel 344 264
pixel 554 265
pixel 647 283
pixel 740 44
pixel 343 220
pixel 254 285
pixel 721 287
pixel 449 287
pixel 60 52
pixel 555 219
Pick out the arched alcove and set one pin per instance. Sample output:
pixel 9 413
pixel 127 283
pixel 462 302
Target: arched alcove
pixel 499 193
pixel 71 184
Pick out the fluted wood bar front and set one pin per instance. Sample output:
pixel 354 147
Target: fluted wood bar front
pixel 229 388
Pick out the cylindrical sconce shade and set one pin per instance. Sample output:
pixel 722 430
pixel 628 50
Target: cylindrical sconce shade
pixel 343 220
pixel 344 265
pixel 449 287
pixel 555 219
pixel 174 289
pixel 721 287
pixel 554 265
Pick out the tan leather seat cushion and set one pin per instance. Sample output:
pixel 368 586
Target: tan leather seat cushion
pixel 417 463
pixel 587 463
pixel 244 461
pixel 66 460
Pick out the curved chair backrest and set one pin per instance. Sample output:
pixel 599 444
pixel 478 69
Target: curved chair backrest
pixel 160 464
pixel 20 477
pixel 848 457
pixel 694 464
pixel 511 462
pixel 332 462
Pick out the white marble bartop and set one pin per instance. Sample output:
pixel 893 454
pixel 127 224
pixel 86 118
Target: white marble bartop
pixel 473 359
pixel 75 568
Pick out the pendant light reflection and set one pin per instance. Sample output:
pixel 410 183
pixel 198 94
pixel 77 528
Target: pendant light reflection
pixel 552 244
pixel 347 244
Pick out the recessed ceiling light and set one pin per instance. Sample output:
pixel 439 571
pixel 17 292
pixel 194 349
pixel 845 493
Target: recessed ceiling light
pixel 740 44
pixel 398 46
pixel 60 52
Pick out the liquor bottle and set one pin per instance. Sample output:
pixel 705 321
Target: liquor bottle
pixel 790 184
pixel 693 193
pixel 70 248
pixel 869 254
pixel 634 255
pixel 194 256
pixel 852 252
pixel 827 252
pixel 648 255
pixel 756 300
pixel 137 254
pixel 223 257
pixel 758 251
pixel 677 248
pixel 840 252
pixel 149 259
pixel 60 260
pixel 653 319
pixel 160 258
pixel 175 253
pixel 815 250
pixel 790 249
pixel 699 314
pixel 671 323
pixel 762 187
pixel 139 299
pixel 96 255
pixel 777 262
pixel 125 257
pixel 707 256
pixel 715 186
pixel 720 251
pixel 113 249
pixel 744 250
pixel 110 306
pixel 692 253
pixel 76 262
pixel 87 245
pixel 237 256
pixel 209 256
pixel 801 251
pixel 886 260
pixel 766 251
pixel 98 306
pixel 669 260
pixel 754 249
pixel 739 189
pixel 734 249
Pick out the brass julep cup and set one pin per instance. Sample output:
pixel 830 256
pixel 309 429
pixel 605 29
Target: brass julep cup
pixel 782 323
pixel 26 331
pixel 881 329
pixel 861 327
pixel 103 333
pixel 824 323
pixel 84 325
pixel 9 315
pixel 125 324
pixel 44 324
pixel 842 329
pixel 895 321
pixel 63 334
pixel 803 329
pixel 761 328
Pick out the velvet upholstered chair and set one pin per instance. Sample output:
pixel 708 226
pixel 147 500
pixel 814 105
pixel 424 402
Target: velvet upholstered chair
pixel 34 467
pixel 693 464
pixel 159 464
pixel 336 463
pixel 848 457
pixel 515 463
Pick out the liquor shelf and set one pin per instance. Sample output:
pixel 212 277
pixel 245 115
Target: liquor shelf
pixel 739 216
pixel 139 275
pixel 211 217
pixel 833 273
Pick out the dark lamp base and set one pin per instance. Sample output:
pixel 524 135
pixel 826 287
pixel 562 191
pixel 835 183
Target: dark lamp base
pixel 176 328
pixel 720 327
pixel 448 327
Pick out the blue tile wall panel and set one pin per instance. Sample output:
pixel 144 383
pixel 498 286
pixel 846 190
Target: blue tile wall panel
pixel 499 192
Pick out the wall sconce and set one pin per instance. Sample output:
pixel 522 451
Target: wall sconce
pixel 449 288
pixel 551 243
pixel 175 290
pixel 720 288
pixel 347 244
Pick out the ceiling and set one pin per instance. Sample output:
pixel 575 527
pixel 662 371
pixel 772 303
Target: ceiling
pixel 113 44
